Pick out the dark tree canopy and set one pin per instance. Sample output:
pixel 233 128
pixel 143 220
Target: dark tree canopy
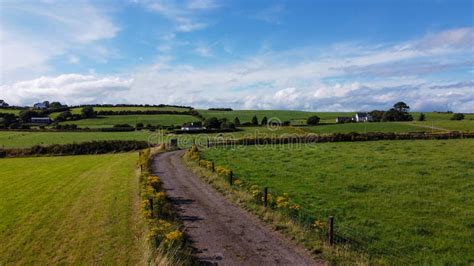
pixel 401 107
pixel 399 112
pixel 26 115
pixel 457 116
pixel 87 112
pixel 255 120
pixel 237 121
pixel 422 117
pixel 264 121
pixel 212 123
pixel 313 120
pixel 64 116
pixel 55 105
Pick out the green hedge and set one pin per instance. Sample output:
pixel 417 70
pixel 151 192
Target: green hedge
pixel 93 147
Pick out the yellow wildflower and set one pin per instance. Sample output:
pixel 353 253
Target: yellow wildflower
pixel 173 236
pixel 319 225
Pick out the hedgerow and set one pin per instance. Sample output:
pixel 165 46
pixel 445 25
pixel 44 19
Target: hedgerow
pixel 93 147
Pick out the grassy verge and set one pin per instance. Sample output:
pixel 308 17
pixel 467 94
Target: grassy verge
pixel 164 237
pixel 279 214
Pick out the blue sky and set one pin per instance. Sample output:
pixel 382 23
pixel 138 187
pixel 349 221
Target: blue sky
pixel 308 55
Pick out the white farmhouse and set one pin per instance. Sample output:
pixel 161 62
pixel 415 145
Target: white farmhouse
pixel 363 117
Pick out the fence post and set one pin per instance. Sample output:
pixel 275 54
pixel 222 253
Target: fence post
pixel 331 230
pixel 213 168
pixel 208 144
pixel 151 206
pixel 231 176
pixel 265 197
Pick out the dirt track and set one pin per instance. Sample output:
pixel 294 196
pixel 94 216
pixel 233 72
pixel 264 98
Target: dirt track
pixel 221 233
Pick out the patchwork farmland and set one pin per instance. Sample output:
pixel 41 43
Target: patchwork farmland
pixel 380 193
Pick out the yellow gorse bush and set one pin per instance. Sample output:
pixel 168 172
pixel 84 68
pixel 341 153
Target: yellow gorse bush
pixel 154 182
pixel 206 164
pixel 255 191
pixel 193 153
pixel 222 171
pixel 319 225
pixel 283 201
pixel 237 182
pixel 295 207
pixel 173 236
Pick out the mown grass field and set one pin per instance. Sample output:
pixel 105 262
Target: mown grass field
pixel 367 127
pixel 69 210
pixel 410 199
pixel 155 120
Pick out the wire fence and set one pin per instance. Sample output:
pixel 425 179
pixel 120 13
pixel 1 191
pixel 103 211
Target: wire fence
pixel 339 235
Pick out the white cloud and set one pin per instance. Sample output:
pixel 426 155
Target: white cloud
pixel 283 80
pixel 25 51
pixel 70 88
pixel 184 14
pixel 462 38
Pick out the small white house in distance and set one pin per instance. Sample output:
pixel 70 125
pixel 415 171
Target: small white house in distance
pixel 39 106
pixel 41 120
pixel 192 127
pixel 363 117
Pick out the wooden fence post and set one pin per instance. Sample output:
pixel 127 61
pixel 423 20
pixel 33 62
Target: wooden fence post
pixel 213 168
pixel 208 144
pixel 151 206
pixel 231 176
pixel 265 197
pixel 331 230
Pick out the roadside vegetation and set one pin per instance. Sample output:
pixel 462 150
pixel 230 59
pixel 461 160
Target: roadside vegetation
pixel 166 242
pixel 393 200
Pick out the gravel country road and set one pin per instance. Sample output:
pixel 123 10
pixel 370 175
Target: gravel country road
pixel 221 233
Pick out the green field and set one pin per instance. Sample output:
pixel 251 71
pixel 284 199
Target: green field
pixel 432 116
pixel 155 120
pixel 18 139
pixel 69 210
pixel 141 108
pixel 296 117
pixel 366 127
pixel 409 199
pixel 462 125
pixel 10 111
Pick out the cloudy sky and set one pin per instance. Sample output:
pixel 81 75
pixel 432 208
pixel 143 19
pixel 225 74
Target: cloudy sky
pixel 308 55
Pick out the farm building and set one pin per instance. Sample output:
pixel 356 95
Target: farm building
pixel 40 106
pixel 192 127
pixel 344 119
pixel 41 120
pixel 363 117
